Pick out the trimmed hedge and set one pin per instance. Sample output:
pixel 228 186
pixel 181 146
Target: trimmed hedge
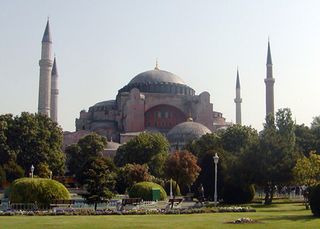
pixel 40 190
pixel 144 190
pixel 314 200
pixel 236 194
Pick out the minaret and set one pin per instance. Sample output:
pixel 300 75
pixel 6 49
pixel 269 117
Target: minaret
pixel 238 100
pixel 45 73
pixel 54 92
pixel 269 85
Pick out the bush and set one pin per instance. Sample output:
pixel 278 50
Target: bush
pixel 237 194
pixel 314 200
pixel 144 191
pixel 40 190
pixel 13 171
pixel 175 188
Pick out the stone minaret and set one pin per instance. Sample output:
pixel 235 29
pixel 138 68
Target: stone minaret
pixel 269 85
pixel 238 100
pixel 45 73
pixel 54 92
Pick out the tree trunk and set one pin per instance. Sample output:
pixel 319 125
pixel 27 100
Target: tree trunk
pixel 95 206
pixel 269 191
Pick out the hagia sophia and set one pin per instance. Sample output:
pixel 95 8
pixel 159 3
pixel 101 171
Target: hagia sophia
pixel 153 101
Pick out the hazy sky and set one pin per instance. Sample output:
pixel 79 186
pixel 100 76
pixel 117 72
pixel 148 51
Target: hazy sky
pixel 101 45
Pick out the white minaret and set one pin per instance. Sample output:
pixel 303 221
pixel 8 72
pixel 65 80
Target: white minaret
pixel 45 73
pixel 269 81
pixel 238 100
pixel 54 92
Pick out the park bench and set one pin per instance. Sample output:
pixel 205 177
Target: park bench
pixel 62 203
pixel 175 202
pixel 130 201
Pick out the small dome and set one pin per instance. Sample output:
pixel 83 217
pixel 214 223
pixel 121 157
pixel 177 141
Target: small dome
pixel 186 131
pixel 105 103
pixel 156 76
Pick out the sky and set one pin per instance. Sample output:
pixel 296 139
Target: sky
pixel 100 45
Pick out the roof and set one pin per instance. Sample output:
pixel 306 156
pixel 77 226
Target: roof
pixel 47 35
pixel 156 76
pixel 187 131
pixel 54 71
pixel 105 103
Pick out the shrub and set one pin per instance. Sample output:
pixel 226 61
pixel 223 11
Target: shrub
pixel 13 171
pixel 314 200
pixel 144 190
pixel 237 194
pixel 175 188
pixel 40 190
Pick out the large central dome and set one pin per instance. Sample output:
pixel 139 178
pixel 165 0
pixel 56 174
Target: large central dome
pixel 158 81
pixel 156 76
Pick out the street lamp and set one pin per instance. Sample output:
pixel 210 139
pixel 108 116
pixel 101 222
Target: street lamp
pixel 215 160
pixel 50 173
pixel 32 170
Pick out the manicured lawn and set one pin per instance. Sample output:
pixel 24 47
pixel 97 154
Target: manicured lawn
pixel 276 216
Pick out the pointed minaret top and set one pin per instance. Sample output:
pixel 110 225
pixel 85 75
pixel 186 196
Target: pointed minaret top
pixel 47 35
pixel 54 68
pixel 238 80
pixel 269 60
pixel 157 65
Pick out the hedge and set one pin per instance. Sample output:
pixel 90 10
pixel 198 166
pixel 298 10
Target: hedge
pixel 40 190
pixel 144 190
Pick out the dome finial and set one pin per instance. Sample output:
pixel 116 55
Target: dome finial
pixel 190 119
pixel 157 65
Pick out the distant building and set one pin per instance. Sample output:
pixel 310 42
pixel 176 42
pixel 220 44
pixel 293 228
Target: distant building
pixel 153 101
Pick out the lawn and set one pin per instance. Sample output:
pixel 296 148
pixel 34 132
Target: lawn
pixel 276 216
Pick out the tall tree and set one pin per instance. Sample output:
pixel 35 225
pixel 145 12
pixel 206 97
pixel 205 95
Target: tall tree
pixel 147 148
pixel 182 167
pixel 31 139
pixel 99 181
pixel 271 162
pixel 87 149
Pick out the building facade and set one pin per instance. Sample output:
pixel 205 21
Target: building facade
pixel 153 101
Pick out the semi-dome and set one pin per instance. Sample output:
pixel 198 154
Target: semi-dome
pixel 184 132
pixel 158 81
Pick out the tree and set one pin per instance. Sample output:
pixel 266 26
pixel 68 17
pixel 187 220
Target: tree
pixel 31 139
pixel 43 170
pixel 147 148
pixel 307 170
pixel 13 171
pixel 182 167
pixel 87 148
pixel 99 181
pixel 306 140
pixel 271 162
pixel 130 174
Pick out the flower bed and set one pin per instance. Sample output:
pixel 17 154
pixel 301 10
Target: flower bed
pixel 73 211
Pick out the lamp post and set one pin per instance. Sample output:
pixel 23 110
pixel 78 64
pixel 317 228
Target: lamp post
pixel 215 160
pixel 50 172
pixel 32 170
pixel 171 194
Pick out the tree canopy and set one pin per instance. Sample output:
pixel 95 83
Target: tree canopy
pixel 147 148
pixel 31 139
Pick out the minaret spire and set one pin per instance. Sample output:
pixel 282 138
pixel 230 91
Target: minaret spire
pixel 238 100
pixel 269 81
pixel 54 92
pixel 45 64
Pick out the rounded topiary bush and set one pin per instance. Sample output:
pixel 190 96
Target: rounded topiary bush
pixel 175 188
pixel 314 200
pixel 238 194
pixel 144 191
pixel 40 190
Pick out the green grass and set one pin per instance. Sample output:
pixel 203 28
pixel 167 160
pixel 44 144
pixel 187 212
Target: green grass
pixel 280 216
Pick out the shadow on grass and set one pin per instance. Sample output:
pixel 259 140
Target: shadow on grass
pixel 290 218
